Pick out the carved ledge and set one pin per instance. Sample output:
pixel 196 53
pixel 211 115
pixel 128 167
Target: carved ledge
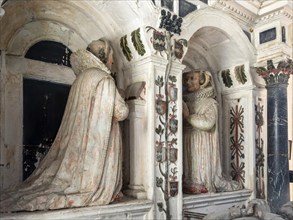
pixel 127 209
pixel 285 13
pixel 210 202
pixel 276 51
pixel 237 11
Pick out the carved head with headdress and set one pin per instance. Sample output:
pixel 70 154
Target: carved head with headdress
pixel 98 54
pixel 198 84
pixel 196 79
pixel 102 49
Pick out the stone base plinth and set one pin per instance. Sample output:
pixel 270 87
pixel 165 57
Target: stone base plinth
pixel 128 209
pixel 211 202
pixel 136 192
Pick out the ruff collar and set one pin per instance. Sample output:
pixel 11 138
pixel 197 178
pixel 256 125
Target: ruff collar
pixel 82 60
pixel 208 92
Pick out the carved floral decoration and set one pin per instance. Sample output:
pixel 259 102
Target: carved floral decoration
pixel 240 74
pixel 137 44
pixel 236 143
pixel 171 24
pixel 226 77
pixel 166 151
pixel 125 49
pixel 166 108
pixel 273 75
pixel 259 154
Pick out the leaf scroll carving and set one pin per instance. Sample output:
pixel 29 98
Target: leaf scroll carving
pixel 137 43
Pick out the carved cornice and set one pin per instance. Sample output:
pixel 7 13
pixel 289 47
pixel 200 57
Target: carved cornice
pixel 251 17
pixel 284 12
pixel 239 13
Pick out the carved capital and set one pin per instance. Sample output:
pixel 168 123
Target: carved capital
pixel 275 76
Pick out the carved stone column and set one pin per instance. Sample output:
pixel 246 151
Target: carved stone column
pixel 136 144
pixel 277 116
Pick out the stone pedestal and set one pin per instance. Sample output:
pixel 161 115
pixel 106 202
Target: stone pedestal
pixel 136 147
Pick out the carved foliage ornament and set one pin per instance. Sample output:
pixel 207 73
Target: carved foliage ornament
pixel 276 75
pixel 240 74
pixel 259 152
pixel 237 143
pixel 227 78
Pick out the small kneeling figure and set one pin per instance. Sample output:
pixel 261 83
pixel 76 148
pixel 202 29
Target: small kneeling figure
pixel 202 170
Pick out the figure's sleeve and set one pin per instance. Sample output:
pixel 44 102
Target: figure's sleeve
pixel 205 121
pixel 185 110
pixel 120 107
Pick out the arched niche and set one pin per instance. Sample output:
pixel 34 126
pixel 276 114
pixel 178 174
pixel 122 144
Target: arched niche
pixel 217 43
pixel 33 32
pixel 211 18
pixel 43 17
pixel 16 71
pixel 43 105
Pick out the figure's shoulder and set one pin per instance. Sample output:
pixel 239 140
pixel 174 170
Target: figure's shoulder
pixel 211 101
pixel 94 74
pixel 82 60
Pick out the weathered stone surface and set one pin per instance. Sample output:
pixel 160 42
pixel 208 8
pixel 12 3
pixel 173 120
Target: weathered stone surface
pixel 286 211
pixel 255 209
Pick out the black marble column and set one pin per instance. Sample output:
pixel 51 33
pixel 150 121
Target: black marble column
pixel 278 163
pixel 277 155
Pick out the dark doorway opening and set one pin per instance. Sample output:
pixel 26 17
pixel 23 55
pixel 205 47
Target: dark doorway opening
pixel 43 107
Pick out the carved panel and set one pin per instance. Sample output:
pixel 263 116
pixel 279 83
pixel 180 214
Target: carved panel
pixel 259 151
pixel 236 142
pixel 267 35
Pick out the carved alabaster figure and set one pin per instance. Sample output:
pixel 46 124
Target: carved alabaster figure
pixel 202 170
pixel 84 164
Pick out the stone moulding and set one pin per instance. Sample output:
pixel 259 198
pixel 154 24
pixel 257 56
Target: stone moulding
pixel 215 201
pixel 132 209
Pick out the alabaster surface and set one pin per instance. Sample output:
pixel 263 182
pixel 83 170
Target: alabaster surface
pixel 83 166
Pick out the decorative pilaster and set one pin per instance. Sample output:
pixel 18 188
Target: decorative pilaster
pixel 277 154
pixel 169 119
pixel 259 151
pixel 154 55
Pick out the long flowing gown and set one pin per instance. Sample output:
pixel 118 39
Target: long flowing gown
pixel 201 155
pixel 84 164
